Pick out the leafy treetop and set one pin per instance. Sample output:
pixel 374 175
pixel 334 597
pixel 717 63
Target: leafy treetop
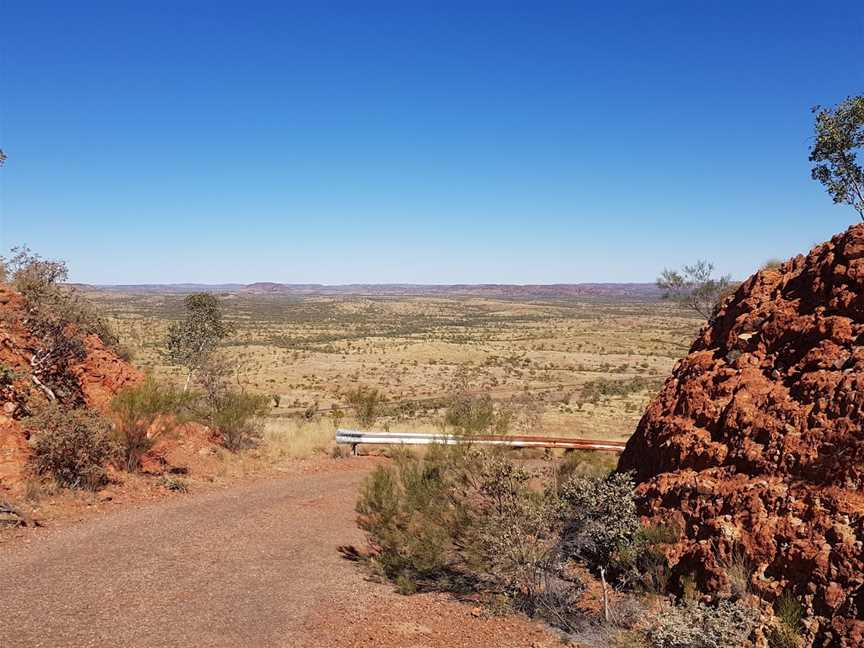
pixel 839 135
pixel 191 340
pixel 694 287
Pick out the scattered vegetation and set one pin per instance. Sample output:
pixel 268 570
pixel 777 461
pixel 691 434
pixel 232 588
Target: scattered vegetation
pixel 470 520
pixel 469 413
pixel 463 519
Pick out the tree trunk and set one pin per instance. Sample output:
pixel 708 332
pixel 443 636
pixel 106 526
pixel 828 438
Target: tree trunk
pixel 605 594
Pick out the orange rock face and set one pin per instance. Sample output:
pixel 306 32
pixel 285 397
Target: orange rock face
pixel 97 377
pixel 755 445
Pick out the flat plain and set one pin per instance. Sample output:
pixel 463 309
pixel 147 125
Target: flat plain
pixel 570 367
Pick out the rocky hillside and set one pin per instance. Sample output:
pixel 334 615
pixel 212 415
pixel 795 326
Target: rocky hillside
pixel 755 445
pixel 31 372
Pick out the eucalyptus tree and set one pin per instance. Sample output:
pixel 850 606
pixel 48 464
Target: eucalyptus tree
pixel 192 340
pixel 839 138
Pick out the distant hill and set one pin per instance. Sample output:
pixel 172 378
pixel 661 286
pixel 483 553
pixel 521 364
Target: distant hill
pixel 637 291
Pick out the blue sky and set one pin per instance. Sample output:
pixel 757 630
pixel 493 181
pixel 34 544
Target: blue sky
pixel 417 142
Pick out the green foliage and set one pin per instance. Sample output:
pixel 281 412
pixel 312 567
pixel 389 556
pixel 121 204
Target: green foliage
pixel 695 287
pixel 839 136
pixel 640 563
pixel 696 625
pixel 466 517
pixel 136 410
pixel 236 415
pixel 790 613
pixel 594 390
pixel 366 403
pixel 599 517
pixel 457 515
pixel 409 516
pixel 71 446
pixel 512 532
pixel 738 571
pixel 191 340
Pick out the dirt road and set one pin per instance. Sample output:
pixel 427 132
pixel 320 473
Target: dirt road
pixel 256 565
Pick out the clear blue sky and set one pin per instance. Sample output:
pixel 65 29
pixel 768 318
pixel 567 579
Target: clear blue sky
pixel 369 142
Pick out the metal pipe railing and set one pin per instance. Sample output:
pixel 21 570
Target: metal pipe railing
pixel 356 437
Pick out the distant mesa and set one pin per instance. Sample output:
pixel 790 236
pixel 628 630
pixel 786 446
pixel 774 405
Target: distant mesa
pixel 636 291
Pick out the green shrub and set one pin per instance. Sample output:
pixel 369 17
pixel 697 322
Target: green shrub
pixel 790 613
pixel 599 518
pixel 236 415
pixel 7 375
pixel 136 410
pixel 175 484
pixel 696 625
pixel 458 515
pixel 640 563
pixel 71 446
pixel 366 403
pixel 408 514
pixel 470 414
pixel 738 571
pixel 514 529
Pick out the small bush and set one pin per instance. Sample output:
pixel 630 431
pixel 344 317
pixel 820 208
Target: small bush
pixel 599 518
pixel 470 414
pixel 738 571
pixel 406 512
pixel 640 563
pixel 463 518
pixel 72 446
pixel 513 531
pixel 175 484
pixel 136 410
pixel 366 403
pixel 7 375
pixel 787 633
pixel 236 416
pixel 696 625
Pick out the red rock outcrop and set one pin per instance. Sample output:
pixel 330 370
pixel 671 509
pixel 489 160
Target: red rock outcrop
pixel 95 377
pixel 755 445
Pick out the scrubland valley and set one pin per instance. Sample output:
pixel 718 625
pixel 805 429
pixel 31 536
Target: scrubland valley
pixel 169 472
pixel 566 366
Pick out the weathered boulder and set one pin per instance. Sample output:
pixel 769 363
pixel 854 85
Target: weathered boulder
pixel 755 445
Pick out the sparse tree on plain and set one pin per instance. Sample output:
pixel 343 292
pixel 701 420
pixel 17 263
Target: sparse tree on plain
pixel 695 287
pixel 839 136
pixel 192 340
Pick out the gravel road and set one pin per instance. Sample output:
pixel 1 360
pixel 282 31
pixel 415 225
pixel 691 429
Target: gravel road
pixel 256 565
